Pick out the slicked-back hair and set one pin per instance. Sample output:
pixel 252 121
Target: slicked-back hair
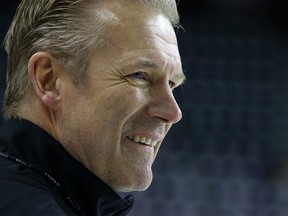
pixel 70 30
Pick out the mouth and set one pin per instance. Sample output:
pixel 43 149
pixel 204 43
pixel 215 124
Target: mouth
pixel 143 140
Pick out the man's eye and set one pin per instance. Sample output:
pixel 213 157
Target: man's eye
pixel 138 78
pixel 138 75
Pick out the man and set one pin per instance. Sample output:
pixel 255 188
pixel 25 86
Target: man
pixel 89 98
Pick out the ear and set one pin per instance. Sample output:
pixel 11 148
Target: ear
pixel 44 73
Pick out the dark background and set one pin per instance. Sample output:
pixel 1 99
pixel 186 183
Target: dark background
pixel 228 156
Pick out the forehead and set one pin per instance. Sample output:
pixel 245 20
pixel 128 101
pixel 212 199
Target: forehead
pixel 131 19
pixel 155 28
pixel 140 32
pixel 148 30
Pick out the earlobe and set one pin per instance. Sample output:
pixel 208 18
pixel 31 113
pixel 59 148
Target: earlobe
pixel 43 74
pixel 50 100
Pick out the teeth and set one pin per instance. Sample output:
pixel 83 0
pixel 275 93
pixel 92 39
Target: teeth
pixel 153 143
pixel 144 140
pixel 136 139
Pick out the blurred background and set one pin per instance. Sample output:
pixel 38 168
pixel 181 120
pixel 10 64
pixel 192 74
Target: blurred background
pixel 229 154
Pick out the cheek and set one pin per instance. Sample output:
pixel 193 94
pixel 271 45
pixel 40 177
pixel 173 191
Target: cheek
pixel 122 102
pixel 103 113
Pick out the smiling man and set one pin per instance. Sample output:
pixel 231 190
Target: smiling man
pixel 88 103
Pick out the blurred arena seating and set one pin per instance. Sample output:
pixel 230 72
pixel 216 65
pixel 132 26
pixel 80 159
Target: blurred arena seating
pixel 228 155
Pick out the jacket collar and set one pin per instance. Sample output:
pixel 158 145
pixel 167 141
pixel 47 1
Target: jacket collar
pixel 34 145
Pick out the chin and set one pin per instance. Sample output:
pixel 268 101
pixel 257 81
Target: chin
pixel 140 185
pixel 131 189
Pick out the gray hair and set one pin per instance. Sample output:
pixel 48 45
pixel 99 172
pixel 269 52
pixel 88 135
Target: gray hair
pixel 68 30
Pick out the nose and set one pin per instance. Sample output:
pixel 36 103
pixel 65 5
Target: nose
pixel 164 107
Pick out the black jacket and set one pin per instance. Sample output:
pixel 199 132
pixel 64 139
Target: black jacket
pixel 38 177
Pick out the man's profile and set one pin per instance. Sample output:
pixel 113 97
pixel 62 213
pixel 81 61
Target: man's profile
pixel 88 103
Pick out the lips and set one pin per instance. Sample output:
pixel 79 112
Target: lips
pixel 143 140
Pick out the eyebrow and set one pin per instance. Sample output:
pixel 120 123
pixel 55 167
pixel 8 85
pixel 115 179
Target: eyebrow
pixel 179 77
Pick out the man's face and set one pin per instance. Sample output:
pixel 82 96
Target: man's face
pixel 116 124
